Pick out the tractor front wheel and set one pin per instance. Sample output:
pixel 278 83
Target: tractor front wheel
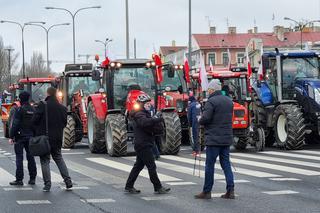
pixel 259 140
pixel 289 127
pixel 241 143
pixel 171 140
pixel 95 131
pixel 116 135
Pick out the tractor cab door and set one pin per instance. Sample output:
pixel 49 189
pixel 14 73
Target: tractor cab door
pixel 270 65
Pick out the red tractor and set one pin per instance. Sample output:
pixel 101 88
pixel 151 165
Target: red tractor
pixel 235 84
pixel 109 126
pixel 37 87
pixel 75 86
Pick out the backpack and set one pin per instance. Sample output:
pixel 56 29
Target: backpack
pixel 27 112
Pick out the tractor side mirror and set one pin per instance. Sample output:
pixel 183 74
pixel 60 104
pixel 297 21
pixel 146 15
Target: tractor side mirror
pixel 95 75
pixel 171 72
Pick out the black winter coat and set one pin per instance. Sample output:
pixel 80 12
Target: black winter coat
pixel 144 129
pixel 217 120
pixel 57 120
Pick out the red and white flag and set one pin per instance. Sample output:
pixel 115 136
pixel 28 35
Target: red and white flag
pixel 203 74
pixel 187 70
pixel 229 60
pixel 260 70
pixel 211 66
pixel 248 65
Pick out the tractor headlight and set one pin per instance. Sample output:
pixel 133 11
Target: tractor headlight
pixel 60 94
pixel 317 96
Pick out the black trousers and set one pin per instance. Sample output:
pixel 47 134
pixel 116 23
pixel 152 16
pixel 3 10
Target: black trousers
pixel 144 158
pixel 19 146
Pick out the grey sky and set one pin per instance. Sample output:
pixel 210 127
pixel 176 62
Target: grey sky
pixel 152 22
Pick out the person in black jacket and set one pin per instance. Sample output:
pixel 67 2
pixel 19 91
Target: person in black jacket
pixel 217 121
pixel 144 130
pixel 20 132
pixel 57 120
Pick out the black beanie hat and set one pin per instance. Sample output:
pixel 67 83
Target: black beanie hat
pixel 24 97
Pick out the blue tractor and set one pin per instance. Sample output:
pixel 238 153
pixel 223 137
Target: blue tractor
pixel 286 103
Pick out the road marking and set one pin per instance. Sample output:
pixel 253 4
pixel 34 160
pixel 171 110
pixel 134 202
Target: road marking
pixel 236 181
pixel 18 189
pixel 181 169
pixel 2 137
pixel 285 179
pixel 76 187
pixel 2 152
pixel 180 183
pixel 307 152
pixel 281 192
pixel 280 160
pixel 155 198
pixel 238 170
pixel 126 168
pixel 65 150
pixel 55 177
pixel 218 195
pixel 73 153
pixel 33 202
pixel 293 155
pixel 103 200
pixel 6 154
pixel 5 177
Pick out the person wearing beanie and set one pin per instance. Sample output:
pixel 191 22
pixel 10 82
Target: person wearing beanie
pixel 193 113
pixel 20 132
pixel 217 122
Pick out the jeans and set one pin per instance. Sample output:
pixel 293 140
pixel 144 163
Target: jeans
pixel 18 149
pixel 144 158
pixel 45 166
pixel 212 153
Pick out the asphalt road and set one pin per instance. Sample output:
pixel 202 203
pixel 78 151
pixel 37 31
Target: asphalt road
pixel 271 181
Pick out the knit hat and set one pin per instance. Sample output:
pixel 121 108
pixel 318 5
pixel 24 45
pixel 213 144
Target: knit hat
pixel 24 97
pixel 214 84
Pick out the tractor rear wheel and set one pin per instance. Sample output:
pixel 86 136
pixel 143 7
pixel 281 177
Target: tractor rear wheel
pixel 289 126
pixel 116 135
pixel 95 131
pixel 171 140
pixel 69 133
pixel 241 143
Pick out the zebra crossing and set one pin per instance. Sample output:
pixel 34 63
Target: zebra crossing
pixel 180 171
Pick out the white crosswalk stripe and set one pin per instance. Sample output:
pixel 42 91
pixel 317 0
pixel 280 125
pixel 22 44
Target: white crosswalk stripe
pixel 307 152
pixel 293 155
pixel 5 177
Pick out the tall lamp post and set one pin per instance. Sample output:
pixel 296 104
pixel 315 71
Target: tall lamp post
pixel 301 26
pixel 47 37
pixel 105 44
pixel 9 62
pixel 127 30
pixel 22 26
pixel 73 15
pixel 189 38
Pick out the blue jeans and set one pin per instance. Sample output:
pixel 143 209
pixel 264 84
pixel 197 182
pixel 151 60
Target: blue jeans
pixel 212 153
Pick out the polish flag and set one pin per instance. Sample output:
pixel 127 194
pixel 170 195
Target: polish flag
pixel 260 70
pixel 203 74
pixel 158 62
pixel 211 66
pixel 187 70
pixel 249 65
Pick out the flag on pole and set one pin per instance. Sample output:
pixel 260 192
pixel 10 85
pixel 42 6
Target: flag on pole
pixel 187 70
pixel 260 70
pixel 158 62
pixel 203 74
pixel 211 66
pixel 248 65
pixel 229 59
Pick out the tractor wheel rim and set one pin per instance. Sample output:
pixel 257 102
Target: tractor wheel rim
pixel 281 128
pixel 90 128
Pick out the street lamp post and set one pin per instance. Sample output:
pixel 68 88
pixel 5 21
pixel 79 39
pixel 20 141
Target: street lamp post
pixel 47 30
pixel 9 62
pixel 73 15
pixel 127 30
pixel 301 26
pixel 22 26
pixel 105 44
pixel 189 42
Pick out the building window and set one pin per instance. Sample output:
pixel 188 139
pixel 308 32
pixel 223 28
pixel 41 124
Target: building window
pixel 212 58
pixel 240 58
pixel 225 58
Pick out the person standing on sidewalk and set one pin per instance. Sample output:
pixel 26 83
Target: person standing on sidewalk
pixel 57 120
pixel 217 121
pixel 194 109
pixel 144 130
pixel 20 132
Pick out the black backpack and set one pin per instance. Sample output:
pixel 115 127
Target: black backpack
pixel 27 112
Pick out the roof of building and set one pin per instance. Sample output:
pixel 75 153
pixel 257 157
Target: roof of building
pixel 166 50
pixel 241 40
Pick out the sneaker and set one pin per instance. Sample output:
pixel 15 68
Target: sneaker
pixel 203 195
pixel 16 183
pixel 69 185
pixel 228 195
pixel 132 190
pixel 32 181
pixel 46 188
pixel 162 190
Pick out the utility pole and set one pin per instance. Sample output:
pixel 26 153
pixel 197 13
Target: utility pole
pixel 9 62
pixel 189 45
pixel 135 48
pixel 127 30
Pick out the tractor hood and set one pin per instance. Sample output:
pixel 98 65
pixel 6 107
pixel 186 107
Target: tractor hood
pixel 314 83
pixel 308 93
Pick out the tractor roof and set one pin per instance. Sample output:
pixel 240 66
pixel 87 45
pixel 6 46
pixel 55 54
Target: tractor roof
pixel 293 54
pixel 78 68
pixel 132 62
pixel 37 80
pixel 236 72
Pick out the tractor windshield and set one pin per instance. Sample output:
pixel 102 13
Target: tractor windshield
pixel 300 68
pixel 235 88
pixel 128 78
pixel 175 82
pixel 84 83
pixel 39 90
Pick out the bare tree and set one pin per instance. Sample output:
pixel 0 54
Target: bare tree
pixel 37 67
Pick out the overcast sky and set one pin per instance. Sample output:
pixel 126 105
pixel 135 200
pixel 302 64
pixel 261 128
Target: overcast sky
pixel 152 22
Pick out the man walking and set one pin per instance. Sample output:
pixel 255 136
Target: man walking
pixel 144 130
pixel 57 120
pixel 193 114
pixel 20 132
pixel 217 121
